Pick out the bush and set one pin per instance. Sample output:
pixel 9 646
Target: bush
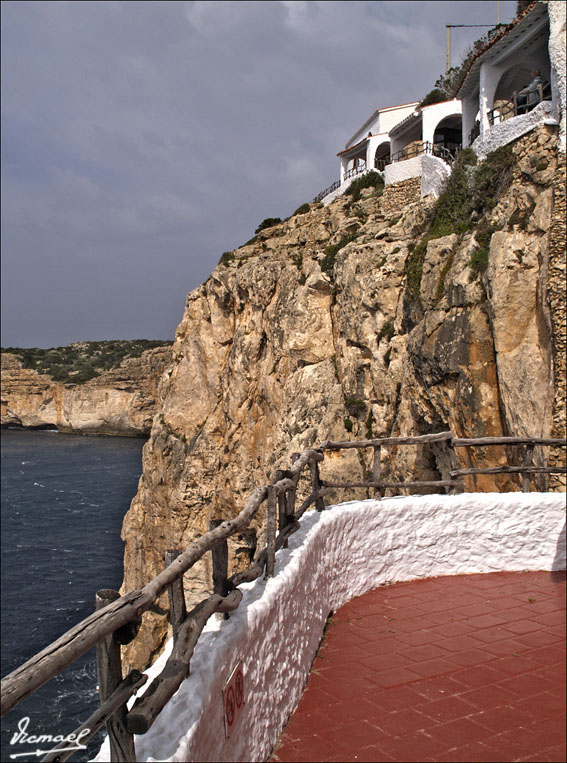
pixel 478 262
pixel 470 192
pixel 268 222
pixel 81 361
pixel 302 210
pixel 370 179
pixel 327 264
pixel 226 257
pixel 348 425
pixel 387 330
pixel 434 96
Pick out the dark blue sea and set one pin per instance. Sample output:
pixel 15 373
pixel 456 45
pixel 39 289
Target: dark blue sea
pixel 63 501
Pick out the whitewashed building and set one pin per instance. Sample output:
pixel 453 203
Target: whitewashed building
pixel 493 115
pixel 368 149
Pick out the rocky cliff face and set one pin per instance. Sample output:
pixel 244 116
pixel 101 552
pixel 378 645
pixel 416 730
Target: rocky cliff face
pixel 121 401
pixel 281 349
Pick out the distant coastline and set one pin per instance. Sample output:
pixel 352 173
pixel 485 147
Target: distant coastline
pixel 96 388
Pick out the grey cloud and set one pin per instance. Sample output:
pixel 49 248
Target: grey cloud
pixel 142 139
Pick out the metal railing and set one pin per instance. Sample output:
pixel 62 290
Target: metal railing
pixel 327 191
pixel 117 619
pixel 446 151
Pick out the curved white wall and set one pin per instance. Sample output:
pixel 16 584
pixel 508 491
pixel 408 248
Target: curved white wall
pixel 338 554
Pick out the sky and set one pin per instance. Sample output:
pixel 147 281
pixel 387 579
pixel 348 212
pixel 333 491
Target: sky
pixel 141 140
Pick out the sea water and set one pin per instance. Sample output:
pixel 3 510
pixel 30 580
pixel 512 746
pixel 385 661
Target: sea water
pixel 63 501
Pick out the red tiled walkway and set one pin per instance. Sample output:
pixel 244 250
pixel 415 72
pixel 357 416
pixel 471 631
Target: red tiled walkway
pixel 468 668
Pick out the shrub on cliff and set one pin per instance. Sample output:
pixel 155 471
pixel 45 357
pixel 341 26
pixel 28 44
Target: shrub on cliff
pixel 79 362
pixel 268 222
pixel 434 96
pixel 302 210
pixel 368 180
pixel 470 193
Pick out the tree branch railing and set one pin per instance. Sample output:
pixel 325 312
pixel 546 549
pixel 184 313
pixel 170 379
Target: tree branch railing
pixel 515 107
pixel 117 619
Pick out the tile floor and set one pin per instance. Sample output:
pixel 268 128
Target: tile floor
pixel 466 668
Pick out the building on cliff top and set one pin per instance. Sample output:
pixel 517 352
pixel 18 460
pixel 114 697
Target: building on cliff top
pixel 492 113
pixel 409 141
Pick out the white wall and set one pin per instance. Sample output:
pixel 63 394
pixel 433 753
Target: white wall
pixel 409 168
pixel 336 555
pixel 434 173
pixel 512 129
pixel 432 115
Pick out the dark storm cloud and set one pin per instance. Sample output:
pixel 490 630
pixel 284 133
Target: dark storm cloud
pixel 140 139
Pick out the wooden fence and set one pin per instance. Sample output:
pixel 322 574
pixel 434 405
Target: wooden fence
pixel 116 619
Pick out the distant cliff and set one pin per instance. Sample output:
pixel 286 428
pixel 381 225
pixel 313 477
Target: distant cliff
pixel 380 315
pixel 121 400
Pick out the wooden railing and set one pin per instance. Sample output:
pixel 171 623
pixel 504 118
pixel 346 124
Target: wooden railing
pixel 117 619
pixel 513 108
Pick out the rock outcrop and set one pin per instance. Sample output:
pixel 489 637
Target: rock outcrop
pixel 281 349
pixel 121 401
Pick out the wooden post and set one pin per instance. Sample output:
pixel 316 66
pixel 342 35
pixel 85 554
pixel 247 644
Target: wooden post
pixel 109 673
pixel 282 503
pixel 177 610
pixel 220 567
pixel 376 468
pixel 454 463
pixel 316 484
pixel 271 532
pixel 528 461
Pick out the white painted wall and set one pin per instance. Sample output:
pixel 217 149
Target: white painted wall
pixel 336 555
pixel 390 117
pixel 512 129
pixel 434 173
pixel 432 115
pixel 557 56
pixel 409 168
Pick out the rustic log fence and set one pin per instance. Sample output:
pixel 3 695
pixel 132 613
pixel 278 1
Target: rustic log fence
pixel 117 619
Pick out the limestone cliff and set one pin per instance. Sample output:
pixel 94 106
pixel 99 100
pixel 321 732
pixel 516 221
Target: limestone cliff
pixel 283 348
pixel 121 401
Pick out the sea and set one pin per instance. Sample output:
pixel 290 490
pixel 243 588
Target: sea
pixel 63 501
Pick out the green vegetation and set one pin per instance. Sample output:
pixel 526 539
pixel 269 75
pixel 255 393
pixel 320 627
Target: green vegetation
pixel 327 264
pixel 302 210
pixel 355 405
pixel 387 330
pixel 368 180
pixel 470 193
pixel 433 96
pixel 440 288
pixel 478 261
pixel 369 423
pixel 226 257
pixel 268 222
pixel 81 361
pixel 450 82
pixel 348 425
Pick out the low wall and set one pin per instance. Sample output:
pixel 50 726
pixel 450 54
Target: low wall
pixel 506 132
pixel 434 174
pixel 404 170
pixel 335 555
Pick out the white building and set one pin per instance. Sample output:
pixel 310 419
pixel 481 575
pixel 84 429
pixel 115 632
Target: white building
pixel 493 115
pixel 368 149
pixel 425 145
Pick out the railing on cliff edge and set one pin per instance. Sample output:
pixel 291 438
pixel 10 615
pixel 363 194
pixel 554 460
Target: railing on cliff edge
pixel 117 619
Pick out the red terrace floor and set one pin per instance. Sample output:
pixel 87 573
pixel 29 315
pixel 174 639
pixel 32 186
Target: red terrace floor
pixel 468 668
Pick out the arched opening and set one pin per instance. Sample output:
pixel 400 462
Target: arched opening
pixel 448 136
pixel 382 156
pixel 520 89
